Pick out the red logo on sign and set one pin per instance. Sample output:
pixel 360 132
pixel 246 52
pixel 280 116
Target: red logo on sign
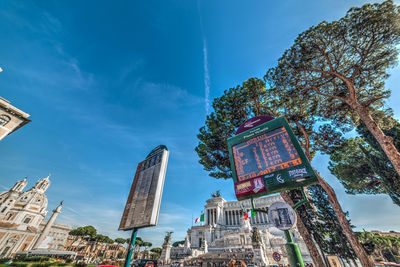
pixel 249 187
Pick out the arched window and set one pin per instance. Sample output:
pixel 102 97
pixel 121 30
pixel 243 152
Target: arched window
pixel 4 119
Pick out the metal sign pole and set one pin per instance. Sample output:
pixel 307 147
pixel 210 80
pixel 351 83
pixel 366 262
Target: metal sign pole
pixel 130 248
pixel 293 251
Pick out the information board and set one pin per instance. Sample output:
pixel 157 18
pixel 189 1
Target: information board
pixel 143 204
pixel 265 154
pixel 268 159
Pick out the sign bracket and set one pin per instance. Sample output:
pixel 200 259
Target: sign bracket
pixel 303 201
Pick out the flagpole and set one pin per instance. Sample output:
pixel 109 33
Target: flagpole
pixel 192 219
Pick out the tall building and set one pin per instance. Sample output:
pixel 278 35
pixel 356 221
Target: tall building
pixel 11 118
pixel 22 218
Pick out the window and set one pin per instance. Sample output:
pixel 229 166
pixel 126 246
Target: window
pixel 4 119
pixel 4 209
pixel 27 220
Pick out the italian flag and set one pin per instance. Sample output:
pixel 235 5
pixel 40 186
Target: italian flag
pixel 200 219
pixel 251 213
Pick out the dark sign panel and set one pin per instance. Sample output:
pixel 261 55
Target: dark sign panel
pixel 143 204
pixel 269 153
pixel 265 154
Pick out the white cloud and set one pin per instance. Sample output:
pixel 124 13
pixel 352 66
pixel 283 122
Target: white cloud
pixel 206 77
pixel 205 63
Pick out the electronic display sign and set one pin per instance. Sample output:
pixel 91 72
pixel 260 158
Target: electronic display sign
pixel 268 159
pixel 143 203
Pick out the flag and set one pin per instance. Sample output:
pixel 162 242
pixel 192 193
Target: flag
pixel 251 213
pixel 200 219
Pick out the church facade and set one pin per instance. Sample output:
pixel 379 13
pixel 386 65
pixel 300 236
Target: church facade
pixel 22 224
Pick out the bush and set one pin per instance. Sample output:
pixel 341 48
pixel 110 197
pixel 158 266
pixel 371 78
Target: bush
pixel 69 260
pixel 19 264
pixel 80 264
pixel 43 264
pixel 4 260
pixel 31 259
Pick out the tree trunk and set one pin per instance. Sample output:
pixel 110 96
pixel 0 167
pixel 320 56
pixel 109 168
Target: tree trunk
pixel 384 141
pixel 315 255
pixel 358 249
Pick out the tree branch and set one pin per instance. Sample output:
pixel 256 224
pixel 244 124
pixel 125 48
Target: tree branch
pixel 325 56
pixel 305 134
pixel 371 101
pixel 320 93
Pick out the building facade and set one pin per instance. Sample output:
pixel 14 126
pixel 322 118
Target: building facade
pixel 57 236
pixel 93 251
pixel 226 234
pixel 22 216
pixel 11 118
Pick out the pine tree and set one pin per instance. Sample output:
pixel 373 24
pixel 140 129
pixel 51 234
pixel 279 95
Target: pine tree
pixel 363 168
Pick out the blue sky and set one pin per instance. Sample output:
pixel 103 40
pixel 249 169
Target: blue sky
pixel 107 82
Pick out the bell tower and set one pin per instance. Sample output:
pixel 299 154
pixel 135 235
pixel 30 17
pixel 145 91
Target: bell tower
pixel 42 185
pixel 19 186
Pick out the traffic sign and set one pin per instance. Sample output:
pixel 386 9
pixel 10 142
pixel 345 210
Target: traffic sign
pixel 276 256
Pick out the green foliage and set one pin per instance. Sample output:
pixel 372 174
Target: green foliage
pixel 102 239
pixel 86 231
pixel 43 264
pixel 32 258
pixel 363 168
pixel 359 47
pixel 177 243
pixel 69 260
pixel 233 108
pixel 18 264
pixel 386 248
pixel 138 242
pixel 4 260
pixel 156 250
pixel 120 240
pixel 342 66
pixel 326 228
pixel 147 244
pixel 240 103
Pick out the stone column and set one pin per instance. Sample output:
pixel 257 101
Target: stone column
pixel 49 224
pixel 166 252
pixel 258 248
